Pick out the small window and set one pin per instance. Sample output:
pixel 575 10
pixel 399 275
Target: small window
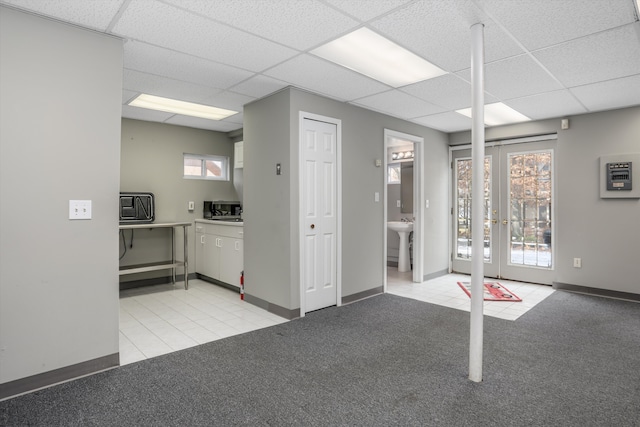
pixel 393 173
pixel 198 166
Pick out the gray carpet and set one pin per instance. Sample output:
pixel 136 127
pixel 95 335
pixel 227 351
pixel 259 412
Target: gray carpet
pixel 574 360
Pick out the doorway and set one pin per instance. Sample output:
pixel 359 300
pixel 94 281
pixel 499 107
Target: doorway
pixel 320 236
pixel 409 149
pixel 518 211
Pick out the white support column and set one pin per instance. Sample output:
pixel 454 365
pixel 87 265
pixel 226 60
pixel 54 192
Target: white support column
pixel 477 203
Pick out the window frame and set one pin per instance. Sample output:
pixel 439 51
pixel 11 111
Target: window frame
pixel 390 166
pixel 203 158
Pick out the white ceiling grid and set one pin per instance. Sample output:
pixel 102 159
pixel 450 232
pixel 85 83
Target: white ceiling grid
pixel 544 58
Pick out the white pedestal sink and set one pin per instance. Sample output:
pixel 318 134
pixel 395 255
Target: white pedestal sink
pixel 403 229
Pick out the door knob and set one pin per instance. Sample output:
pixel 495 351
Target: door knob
pixel 505 222
pixel 313 226
pixel 494 221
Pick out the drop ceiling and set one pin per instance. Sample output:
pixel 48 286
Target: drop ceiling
pixel 544 58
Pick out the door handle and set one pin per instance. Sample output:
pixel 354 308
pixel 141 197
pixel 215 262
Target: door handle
pixel 202 239
pixel 505 222
pixel 313 226
pixel 494 221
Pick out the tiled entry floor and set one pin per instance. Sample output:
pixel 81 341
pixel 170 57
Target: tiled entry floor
pixel 445 291
pixel 161 319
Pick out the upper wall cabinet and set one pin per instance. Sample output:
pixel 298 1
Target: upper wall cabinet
pixel 238 159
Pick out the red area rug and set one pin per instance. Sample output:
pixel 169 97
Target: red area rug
pixel 493 291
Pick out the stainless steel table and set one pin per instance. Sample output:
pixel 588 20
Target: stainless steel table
pixel 162 265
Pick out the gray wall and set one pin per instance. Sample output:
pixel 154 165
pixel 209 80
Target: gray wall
pixel 59 140
pixel 603 232
pixel 267 225
pixel 271 250
pixel 151 161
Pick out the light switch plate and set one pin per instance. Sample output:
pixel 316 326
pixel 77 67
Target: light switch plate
pixel 191 206
pixel 79 209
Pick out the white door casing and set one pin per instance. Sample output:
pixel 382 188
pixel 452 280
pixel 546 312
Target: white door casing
pixel 418 203
pixel 319 212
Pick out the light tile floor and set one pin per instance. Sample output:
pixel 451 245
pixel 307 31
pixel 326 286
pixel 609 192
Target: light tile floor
pixel 445 291
pixel 156 320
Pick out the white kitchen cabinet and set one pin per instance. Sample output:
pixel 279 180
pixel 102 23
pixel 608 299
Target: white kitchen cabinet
pixel 219 251
pixel 238 155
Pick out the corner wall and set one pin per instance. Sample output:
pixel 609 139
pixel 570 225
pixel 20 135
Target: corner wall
pixel 59 140
pixel 271 136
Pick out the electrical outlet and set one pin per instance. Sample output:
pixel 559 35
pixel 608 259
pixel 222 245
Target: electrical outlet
pixel 577 262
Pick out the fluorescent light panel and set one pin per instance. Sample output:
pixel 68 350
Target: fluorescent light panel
pixel 497 114
pixel 374 56
pixel 180 107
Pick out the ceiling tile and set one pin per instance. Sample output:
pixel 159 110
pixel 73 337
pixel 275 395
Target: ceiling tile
pixel 445 122
pixel 90 14
pixel 236 118
pixel 294 23
pixel 365 10
pixel 198 123
pixel 144 57
pixel 259 86
pixel 547 105
pixel 228 100
pixel 449 91
pixel 138 113
pixel 166 87
pixel 603 56
pixel 549 22
pixel 439 31
pixel 173 28
pixel 398 104
pixel 320 76
pixel 128 95
pixel 515 77
pixel 611 94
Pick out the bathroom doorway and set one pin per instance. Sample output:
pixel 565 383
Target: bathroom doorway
pixel 403 202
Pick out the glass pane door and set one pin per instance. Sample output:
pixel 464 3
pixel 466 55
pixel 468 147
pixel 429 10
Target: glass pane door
pixel 530 205
pixel 518 212
pixel 462 214
pixel 526 245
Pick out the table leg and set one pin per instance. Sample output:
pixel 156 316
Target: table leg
pixel 173 255
pixel 186 258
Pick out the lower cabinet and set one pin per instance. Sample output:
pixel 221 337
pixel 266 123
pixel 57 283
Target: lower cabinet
pixel 220 251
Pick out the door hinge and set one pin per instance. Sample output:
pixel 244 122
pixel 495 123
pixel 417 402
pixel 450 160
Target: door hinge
pixel 451 211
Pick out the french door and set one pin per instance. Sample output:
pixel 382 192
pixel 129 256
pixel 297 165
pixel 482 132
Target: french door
pixel 518 212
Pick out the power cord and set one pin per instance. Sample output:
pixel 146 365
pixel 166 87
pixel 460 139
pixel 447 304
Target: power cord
pixel 124 243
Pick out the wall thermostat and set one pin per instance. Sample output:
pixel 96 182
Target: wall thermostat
pixel 619 176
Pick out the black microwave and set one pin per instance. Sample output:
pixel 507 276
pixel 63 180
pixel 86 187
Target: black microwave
pixel 221 208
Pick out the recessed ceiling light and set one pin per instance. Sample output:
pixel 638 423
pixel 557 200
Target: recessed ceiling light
pixel 180 107
pixel 374 56
pixel 498 114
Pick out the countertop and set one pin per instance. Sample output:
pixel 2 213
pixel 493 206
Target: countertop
pixel 227 222
pixel 154 225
